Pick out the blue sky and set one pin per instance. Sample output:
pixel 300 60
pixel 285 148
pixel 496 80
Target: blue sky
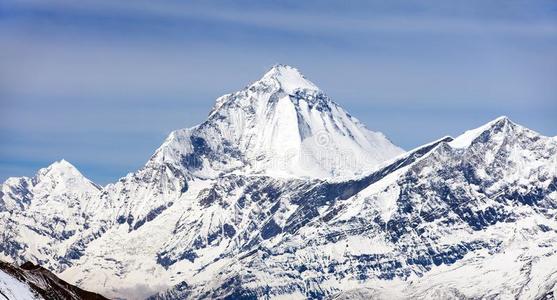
pixel 101 83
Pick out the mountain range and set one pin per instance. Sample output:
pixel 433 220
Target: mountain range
pixel 282 193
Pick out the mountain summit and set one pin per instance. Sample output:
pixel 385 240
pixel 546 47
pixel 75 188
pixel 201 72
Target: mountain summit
pixel 280 125
pixel 289 78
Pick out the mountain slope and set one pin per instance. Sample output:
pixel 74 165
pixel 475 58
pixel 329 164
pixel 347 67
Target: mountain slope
pixel 211 224
pixel 473 217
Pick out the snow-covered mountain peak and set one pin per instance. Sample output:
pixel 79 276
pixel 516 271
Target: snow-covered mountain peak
pixel 280 80
pixel 288 78
pixel 63 176
pixel 499 127
pixel 60 178
pixel 61 168
pixel 281 125
pixel 60 181
pixel 51 204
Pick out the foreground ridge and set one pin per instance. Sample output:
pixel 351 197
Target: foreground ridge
pixel 30 282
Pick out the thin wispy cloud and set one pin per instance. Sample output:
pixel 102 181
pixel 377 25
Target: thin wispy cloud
pixel 304 19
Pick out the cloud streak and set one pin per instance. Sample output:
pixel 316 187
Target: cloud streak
pixel 305 19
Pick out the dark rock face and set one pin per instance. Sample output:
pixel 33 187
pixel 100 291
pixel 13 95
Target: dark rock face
pixel 47 285
pixel 270 229
pixel 152 215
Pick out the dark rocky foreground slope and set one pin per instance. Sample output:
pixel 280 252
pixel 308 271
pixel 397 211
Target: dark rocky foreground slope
pixel 40 282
